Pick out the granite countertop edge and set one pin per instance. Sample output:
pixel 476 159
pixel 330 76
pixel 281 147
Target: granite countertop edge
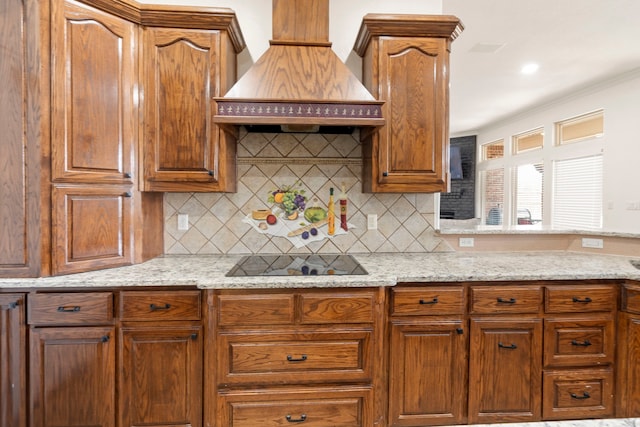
pixel 208 271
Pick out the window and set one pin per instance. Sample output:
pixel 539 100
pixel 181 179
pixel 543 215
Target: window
pixel 546 182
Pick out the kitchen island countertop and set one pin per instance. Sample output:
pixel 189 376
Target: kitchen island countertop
pixel 208 271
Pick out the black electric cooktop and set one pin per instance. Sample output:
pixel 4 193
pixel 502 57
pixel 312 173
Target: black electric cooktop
pixel 296 265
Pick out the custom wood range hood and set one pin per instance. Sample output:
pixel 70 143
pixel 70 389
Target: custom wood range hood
pixel 299 83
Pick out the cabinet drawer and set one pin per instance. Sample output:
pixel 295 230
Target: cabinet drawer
pixel 294 357
pixel 580 298
pixel 254 310
pixel 505 299
pixel 577 394
pixel 153 306
pixel 579 342
pixel 70 308
pixel 343 308
pixel 631 299
pixel 319 407
pixel 427 301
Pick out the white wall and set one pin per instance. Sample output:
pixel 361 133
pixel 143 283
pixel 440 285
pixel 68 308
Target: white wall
pixel 344 22
pixel 620 100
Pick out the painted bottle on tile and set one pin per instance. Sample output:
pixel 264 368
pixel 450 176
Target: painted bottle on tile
pixel 331 214
pixel 343 209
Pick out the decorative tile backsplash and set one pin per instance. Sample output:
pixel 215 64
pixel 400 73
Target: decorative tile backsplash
pixel 267 161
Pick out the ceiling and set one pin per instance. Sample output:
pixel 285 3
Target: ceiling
pixel 577 44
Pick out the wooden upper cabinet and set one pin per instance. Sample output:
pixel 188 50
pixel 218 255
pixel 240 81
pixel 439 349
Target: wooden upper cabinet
pixel 94 79
pixel 183 149
pixel 406 65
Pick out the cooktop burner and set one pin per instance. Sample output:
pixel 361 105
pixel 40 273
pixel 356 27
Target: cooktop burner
pixel 296 265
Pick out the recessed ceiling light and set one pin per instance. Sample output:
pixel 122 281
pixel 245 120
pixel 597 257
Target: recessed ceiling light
pixel 530 68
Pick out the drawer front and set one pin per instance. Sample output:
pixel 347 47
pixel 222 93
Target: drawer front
pixel 254 310
pixel 343 308
pixel 580 298
pixel 426 301
pixel 309 407
pixel 70 308
pixel 579 342
pixel 160 305
pixel 631 299
pixel 577 394
pixel 266 358
pixel 505 299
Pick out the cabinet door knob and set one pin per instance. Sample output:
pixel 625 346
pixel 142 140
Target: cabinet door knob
pixel 127 174
pixel 128 194
pixel 211 172
pixel 194 336
pixel 385 174
pixel 105 338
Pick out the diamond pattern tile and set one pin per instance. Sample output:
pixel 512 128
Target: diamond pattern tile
pixel 318 162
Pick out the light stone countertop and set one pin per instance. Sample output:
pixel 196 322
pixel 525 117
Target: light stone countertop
pixel 208 272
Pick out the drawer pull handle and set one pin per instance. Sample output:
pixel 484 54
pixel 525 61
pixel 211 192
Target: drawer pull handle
pixel 506 301
pixel 154 307
pixel 587 300
pixel 585 343
pixel 303 418
pixel 433 301
pixel 73 309
pixel 585 395
pixel 508 347
pixel 290 358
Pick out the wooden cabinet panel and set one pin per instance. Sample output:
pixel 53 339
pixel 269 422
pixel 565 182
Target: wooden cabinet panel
pixel 344 308
pixel 93 228
pixel 157 305
pixel 303 356
pixel 85 308
pixel 427 300
pixel 161 376
pixel 318 407
pixel 428 380
pixel 94 77
pixel 628 347
pixel 585 393
pixel 256 309
pixel 505 299
pixel 505 370
pixel 579 341
pixel 184 150
pixel 13 361
pixel 580 298
pixel 72 376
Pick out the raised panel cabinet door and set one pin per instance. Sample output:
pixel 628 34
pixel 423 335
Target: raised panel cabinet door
pixel 428 373
pixel 628 368
pixel 94 84
pixel 93 228
pixel 72 377
pixel 161 376
pixel 412 151
pixel 505 370
pixel 13 353
pixel 183 148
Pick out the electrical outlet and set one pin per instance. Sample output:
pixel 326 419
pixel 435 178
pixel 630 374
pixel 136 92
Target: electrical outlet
pixel 183 222
pixel 372 222
pixel 466 242
pixel 592 243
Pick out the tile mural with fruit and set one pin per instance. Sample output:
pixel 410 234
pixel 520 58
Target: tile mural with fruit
pixel 313 163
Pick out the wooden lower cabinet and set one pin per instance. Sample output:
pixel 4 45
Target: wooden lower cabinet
pixel 315 407
pixel 427 374
pixel 579 393
pixel 628 340
pixel 505 370
pixel 72 376
pixel 160 381
pixel 13 363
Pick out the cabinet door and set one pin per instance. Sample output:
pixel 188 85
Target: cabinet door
pixel 13 399
pixel 72 377
pixel 628 368
pixel 427 373
pixel 505 370
pixel 183 149
pixel 93 228
pixel 410 153
pixel 93 83
pixel 161 376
